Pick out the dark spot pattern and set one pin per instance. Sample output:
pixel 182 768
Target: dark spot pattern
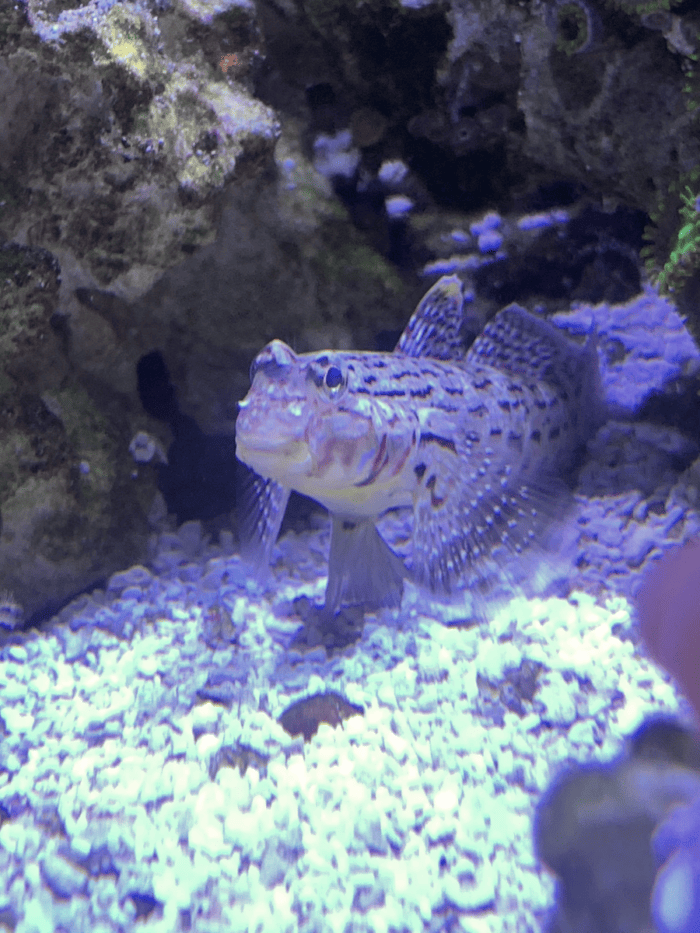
pixel 446 442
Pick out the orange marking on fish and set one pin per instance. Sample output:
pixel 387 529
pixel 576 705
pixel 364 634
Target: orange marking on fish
pixel 380 462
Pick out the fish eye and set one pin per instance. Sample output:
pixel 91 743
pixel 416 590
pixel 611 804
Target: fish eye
pixel 334 378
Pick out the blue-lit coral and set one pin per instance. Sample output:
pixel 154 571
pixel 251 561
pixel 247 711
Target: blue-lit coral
pixel 669 612
pixel 675 900
pixel 668 605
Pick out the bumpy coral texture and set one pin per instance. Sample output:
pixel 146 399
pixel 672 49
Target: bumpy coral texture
pixel 669 613
pixel 675 900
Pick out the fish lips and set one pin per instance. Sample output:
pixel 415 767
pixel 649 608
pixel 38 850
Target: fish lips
pixel 263 439
pixel 272 458
pixel 271 449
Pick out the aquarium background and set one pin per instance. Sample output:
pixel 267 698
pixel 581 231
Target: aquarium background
pixel 182 746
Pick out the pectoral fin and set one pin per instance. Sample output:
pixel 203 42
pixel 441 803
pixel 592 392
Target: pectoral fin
pixel 261 504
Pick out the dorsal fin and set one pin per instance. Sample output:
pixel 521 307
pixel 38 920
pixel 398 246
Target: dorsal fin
pixel 532 349
pixel 529 347
pixel 437 326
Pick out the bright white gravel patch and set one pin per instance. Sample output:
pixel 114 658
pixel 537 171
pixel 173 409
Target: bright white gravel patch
pixel 415 816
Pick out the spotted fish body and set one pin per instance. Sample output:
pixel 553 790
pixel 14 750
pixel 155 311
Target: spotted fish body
pixel 471 441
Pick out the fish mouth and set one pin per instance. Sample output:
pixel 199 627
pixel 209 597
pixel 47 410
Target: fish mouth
pixel 271 457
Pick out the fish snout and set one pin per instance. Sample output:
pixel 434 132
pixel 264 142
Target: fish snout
pixel 274 360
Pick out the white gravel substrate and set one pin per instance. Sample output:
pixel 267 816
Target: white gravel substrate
pixel 415 816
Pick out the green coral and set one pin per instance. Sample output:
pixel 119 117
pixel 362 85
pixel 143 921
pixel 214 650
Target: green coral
pixel 672 253
pixel 692 85
pixel 684 258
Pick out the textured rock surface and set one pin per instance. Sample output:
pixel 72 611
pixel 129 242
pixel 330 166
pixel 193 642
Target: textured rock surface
pixel 110 169
pixel 120 165
pixel 515 91
pixel 125 143
pixel 70 508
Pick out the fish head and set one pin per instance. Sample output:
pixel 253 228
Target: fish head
pixel 272 422
pixel 309 423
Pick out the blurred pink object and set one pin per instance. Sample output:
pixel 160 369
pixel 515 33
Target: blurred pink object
pixel 668 603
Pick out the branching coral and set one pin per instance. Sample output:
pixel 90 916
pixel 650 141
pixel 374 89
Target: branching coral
pixel 672 255
pixel 684 251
